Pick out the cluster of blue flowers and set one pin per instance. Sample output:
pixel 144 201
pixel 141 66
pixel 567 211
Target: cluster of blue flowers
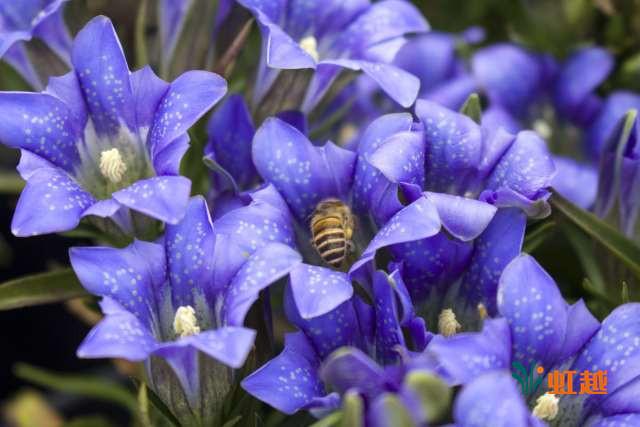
pixel 434 292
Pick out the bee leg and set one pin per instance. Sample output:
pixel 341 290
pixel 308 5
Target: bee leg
pixel 351 247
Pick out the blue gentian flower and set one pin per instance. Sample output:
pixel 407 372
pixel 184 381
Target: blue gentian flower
pixel 391 161
pixel 580 75
pixel 445 80
pixel 619 184
pixel 614 107
pixel 102 141
pixel 512 77
pixel 536 326
pixel 22 20
pixel 305 175
pixel 470 172
pixel 435 59
pixel 177 300
pixel 352 348
pixel 331 37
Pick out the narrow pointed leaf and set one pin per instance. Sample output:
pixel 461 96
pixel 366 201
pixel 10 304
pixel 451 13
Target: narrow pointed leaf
pixel 623 249
pixel 96 387
pixel 42 288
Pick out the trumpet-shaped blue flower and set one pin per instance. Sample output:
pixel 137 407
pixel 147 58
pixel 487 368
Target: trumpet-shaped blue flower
pixel 102 141
pixel 305 175
pixel 22 20
pixel 331 37
pixel 466 172
pixel 537 327
pixel 391 161
pixel 344 350
pixel 185 296
pixel 619 184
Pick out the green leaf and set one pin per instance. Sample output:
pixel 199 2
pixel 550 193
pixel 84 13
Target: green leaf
pixel 625 292
pixel 11 183
pixel 142 57
pixel 472 108
pixel 330 420
pixel 232 422
pixel 434 394
pixel 96 387
pixel 623 249
pixel 147 400
pixel 42 288
pixel 538 234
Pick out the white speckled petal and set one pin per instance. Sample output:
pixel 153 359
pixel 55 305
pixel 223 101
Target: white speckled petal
pixel 189 97
pixel 531 301
pixel 161 197
pixel 401 86
pixel 147 91
pixel 464 218
pixel 289 381
pixel 263 268
pixel 42 124
pixel 327 332
pixel 52 201
pixel 369 185
pixel 526 168
pixel 103 73
pixel 622 420
pixel 615 348
pixel 303 173
pixel 454 148
pixel 229 345
pixel 189 249
pixel 466 355
pixel 493 250
pixel 133 276
pixel 491 400
pixel 388 333
pixel 417 221
pixel 256 225
pixel 382 21
pixel 401 158
pixel 120 334
pixel 318 290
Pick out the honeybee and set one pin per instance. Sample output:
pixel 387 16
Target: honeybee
pixel 332 225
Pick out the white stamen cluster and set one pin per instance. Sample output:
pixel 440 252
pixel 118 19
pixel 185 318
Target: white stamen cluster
pixel 542 128
pixel 112 166
pixel 447 323
pixel 310 45
pixel 185 322
pixel 546 407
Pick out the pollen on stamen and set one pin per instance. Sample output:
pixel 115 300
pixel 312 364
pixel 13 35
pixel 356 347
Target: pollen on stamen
pixel 482 311
pixel 447 323
pixel 546 407
pixel 310 45
pixel 112 166
pixel 185 322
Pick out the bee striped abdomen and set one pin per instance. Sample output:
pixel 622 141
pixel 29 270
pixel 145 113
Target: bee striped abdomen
pixel 329 239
